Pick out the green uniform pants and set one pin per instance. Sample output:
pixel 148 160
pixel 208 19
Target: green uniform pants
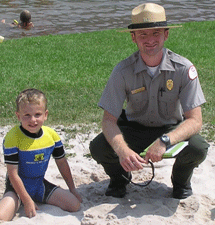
pixel 138 137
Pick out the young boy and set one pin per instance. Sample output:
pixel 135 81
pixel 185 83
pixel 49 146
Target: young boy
pixel 27 150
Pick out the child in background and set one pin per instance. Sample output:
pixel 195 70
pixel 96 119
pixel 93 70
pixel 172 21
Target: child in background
pixel 27 151
pixel 25 21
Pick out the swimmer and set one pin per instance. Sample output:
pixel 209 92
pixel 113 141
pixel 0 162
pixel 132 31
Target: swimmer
pixel 25 21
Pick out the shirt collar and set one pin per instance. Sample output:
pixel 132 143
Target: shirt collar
pixel 31 135
pixel 140 65
pixel 165 64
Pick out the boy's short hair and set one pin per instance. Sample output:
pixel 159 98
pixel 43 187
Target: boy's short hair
pixel 30 96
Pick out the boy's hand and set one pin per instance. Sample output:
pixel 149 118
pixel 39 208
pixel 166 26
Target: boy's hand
pixel 77 195
pixel 30 209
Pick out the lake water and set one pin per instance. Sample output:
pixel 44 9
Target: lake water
pixel 64 16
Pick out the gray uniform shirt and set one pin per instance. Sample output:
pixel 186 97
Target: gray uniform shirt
pixel 153 101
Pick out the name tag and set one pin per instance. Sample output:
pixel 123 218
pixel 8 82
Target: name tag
pixel 138 90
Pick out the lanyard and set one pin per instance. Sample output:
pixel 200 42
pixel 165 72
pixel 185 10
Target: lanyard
pixel 147 182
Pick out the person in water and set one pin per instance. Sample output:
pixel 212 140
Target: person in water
pixel 25 21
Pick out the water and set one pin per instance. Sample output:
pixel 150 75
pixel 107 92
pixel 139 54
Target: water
pixel 64 16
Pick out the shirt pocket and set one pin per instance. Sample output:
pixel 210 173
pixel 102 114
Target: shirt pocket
pixel 167 105
pixel 138 101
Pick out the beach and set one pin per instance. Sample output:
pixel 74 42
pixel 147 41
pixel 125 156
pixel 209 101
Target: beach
pixel 151 205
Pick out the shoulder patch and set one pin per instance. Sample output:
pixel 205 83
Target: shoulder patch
pixel 192 73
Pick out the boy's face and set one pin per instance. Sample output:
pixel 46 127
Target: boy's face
pixel 32 116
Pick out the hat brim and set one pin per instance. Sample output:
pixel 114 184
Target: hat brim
pixel 146 28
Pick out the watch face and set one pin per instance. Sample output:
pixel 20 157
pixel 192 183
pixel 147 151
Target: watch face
pixel 165 138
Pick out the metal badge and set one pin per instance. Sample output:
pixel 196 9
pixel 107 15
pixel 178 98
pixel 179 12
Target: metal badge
pixel 169 84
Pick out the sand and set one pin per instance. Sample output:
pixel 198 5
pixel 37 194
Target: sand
pixel 151 205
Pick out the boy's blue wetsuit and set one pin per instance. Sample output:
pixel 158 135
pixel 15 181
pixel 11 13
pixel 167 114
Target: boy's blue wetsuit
pixel 32 152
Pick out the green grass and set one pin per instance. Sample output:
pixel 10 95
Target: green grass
pixel 73 69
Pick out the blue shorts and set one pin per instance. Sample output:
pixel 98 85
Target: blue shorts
pixel 41 194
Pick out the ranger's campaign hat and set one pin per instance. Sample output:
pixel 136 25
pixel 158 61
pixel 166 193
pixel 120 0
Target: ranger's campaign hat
pixel 148 16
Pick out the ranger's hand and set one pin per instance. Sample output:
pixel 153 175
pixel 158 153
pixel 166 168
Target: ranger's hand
pixel 156 151
pixel 130 160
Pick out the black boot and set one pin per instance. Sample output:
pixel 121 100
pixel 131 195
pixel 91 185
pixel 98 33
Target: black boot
pixel 181 193
pixel 117 186
pixel 118 181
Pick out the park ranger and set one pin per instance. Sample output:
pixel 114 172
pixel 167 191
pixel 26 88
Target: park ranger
pixel 163 106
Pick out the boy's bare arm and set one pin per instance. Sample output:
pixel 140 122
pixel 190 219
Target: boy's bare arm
pixel 65 171
pixel 29 205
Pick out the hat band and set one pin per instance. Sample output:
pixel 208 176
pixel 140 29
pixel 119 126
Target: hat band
pixel 147 25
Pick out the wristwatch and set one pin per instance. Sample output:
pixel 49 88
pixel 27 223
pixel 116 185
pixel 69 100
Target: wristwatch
pixel 166 140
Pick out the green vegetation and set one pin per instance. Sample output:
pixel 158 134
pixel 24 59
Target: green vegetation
pixel 73 69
